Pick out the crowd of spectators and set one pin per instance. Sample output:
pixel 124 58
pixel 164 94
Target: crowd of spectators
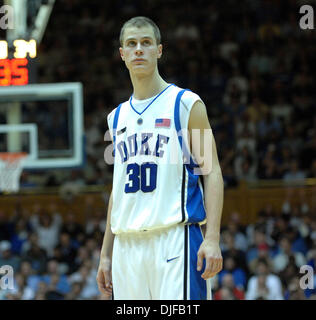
pixel 52 256
pixel 251 64
pixel 56 257
pixel 264 260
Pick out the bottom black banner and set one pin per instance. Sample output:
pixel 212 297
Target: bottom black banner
pixel 154 309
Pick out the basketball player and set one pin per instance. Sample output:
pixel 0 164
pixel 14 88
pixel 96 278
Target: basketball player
pixel 153 246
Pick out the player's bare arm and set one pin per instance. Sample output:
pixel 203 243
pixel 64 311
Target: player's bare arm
pixel 104 277
pixel 213 188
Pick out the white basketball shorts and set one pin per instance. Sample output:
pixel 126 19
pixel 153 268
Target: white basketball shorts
pixel 159 265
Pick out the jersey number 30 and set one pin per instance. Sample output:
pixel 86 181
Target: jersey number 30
pixel 143 177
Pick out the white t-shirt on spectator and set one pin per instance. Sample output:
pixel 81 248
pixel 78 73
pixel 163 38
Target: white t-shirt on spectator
pixel 273 284
pixel 281 260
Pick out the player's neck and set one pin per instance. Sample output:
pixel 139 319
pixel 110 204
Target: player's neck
pixel 147 86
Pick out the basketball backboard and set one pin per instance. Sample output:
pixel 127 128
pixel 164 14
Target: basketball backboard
pixel 44 120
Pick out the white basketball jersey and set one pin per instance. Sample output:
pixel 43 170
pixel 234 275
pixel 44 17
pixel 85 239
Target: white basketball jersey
pixel 154 182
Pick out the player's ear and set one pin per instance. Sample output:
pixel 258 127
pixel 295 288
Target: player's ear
pixel 159 51
pixel 121 53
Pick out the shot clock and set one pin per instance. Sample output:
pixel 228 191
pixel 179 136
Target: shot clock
pixel 17 63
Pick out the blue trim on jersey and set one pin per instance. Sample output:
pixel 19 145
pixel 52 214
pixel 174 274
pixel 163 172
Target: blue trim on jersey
pixel 130 100
pixel 188 160
pixel 194 205
pixel 198 288
pixel 195 201
pixel 115 121
pixel 186 154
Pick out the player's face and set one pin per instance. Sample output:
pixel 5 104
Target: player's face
pixel 140 50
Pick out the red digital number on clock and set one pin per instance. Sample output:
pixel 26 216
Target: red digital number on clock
pixel 14 72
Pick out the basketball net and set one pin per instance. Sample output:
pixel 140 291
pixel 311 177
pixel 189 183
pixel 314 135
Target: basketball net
pixel 11 166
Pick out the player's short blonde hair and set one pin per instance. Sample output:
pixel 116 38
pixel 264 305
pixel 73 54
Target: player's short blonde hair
pixel 139 22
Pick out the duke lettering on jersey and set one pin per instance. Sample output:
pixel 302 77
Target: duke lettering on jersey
pixel 153 186
pixel 132 147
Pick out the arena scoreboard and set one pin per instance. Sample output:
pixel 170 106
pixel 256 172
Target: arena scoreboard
pixel 17 62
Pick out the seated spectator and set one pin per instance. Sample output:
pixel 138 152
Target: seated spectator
pixel 282 259
pixel 91 245
pixel 83 254
pixel 41 291
pixel 19 236
pixel 264 284
pixel 292 140
pixel 257 109
pixel 260 61
pixel 235 109
pixel 225 294
pixel 54 290
pixel 294 291
pixel 94 222
pixel 239 237
pixel 281 109
pixel 259 238
pixel 186 30
pixel 245 165
pixel 67 251
pixel 263 252
pixel 53 277
pixel 298 243
pixel 35 255
pixel 228 46
pixel 86 276
pixel 248 140
pixel 282 223
pixel 264 224
pixel 290 272
pixel 12 296
pixel 7 257
pixel 224 131
pixel 239 275
pixel 31 275
pixel 269 30
pixel 228 284
pixel 247 171
pixel 75 293
pixel 268 124
pixel 229 250
pixel 245 124
pixel 268 167
pixel 294 175
pixel 72 227
pixel 80 275
pixel 21 287
pixel 238 81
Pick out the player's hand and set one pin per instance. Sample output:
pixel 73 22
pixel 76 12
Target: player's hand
pixel 104 277
pixel 211 252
